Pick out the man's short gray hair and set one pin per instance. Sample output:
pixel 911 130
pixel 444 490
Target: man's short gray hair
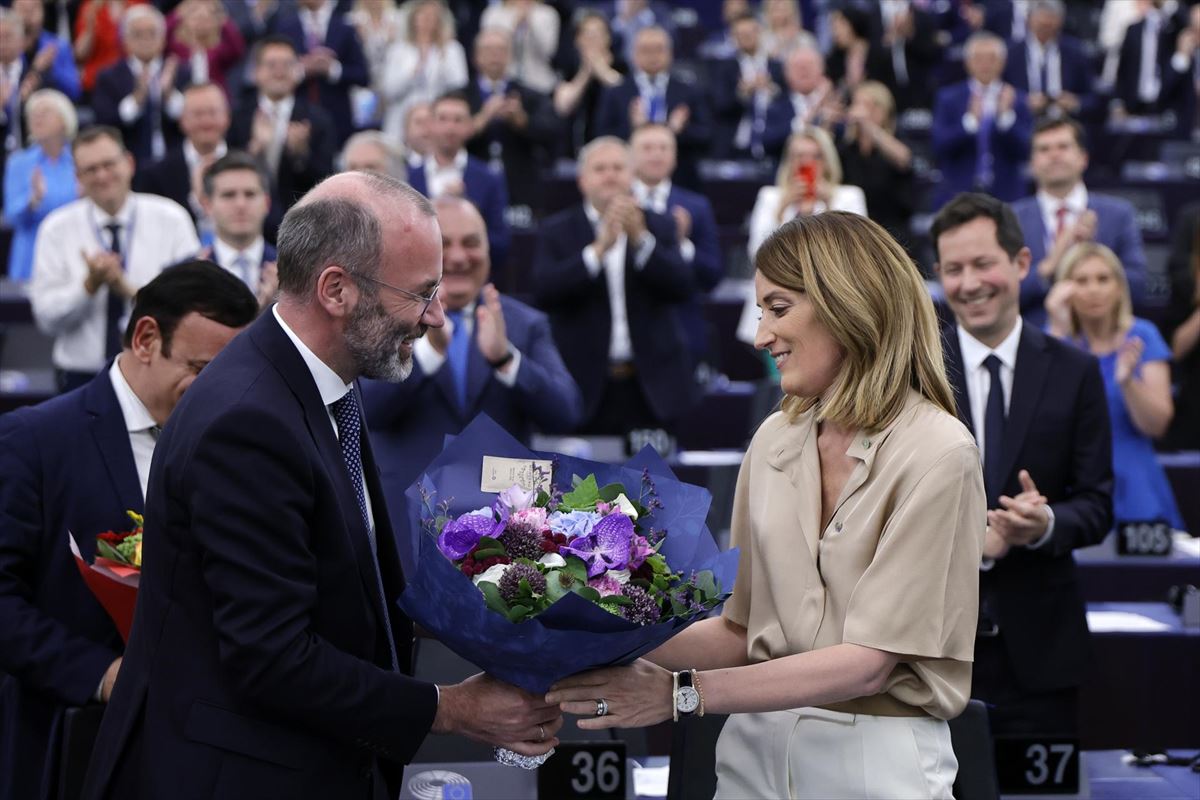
pixel 338 230
pixel 586 151
pixel 142 12
pixel 980 38
pixel 1056 7
pixel 393 151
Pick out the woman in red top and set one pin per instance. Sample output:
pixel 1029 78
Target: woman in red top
pixel 98 36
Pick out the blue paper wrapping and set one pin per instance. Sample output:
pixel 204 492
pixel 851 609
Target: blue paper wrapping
pixel 573 635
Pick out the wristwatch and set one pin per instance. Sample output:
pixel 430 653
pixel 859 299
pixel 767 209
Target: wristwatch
pixel 504 360
pixel 687 698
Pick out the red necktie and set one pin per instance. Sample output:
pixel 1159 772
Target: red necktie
pixel 1062 219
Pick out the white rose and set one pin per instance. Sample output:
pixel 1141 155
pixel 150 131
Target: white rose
pixel 492 574
pixel 619 575
pixel 552 560
pixel 626 507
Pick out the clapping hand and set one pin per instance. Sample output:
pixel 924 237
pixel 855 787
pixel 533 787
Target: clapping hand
pixel 1058 307
pixel 678 118
pixel 297 138
pixel 268 284
pixel 1023 519
pixel 683 222
pixel 491 332
pixel 104 269
pixel 1128 357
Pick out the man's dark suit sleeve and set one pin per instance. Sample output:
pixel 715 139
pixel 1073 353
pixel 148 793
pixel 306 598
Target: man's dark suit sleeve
pixel 355 71
pixel 1085 517
pixel 106 97
pixel 707 264
pixel 559 276
pixel 665 273
pixel 1130 251
pixel 698 130
pixel 35 648
pixel 258 561
pixel 544 387
pixel 949 135
pixel 385 403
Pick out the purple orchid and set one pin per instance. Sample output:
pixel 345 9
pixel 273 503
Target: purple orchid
pixel 461 535
pixel 606 547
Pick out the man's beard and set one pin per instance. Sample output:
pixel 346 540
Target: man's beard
pixel 374 338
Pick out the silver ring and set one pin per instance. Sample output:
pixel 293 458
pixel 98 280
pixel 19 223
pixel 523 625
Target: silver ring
pixel 541 733
pixel 601 707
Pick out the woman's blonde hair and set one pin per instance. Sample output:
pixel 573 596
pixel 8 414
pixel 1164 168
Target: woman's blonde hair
pixel 883 96
pixel 829 155
pixel 868 294
pixel 408 13
pixel 1123 313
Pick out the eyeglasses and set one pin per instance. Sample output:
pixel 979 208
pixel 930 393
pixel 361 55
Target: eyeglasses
pixel 427 300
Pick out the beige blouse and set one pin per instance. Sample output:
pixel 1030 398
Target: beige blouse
pixel 897 569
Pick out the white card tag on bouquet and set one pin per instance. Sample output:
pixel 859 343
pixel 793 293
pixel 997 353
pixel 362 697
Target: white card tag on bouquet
pixel 502 473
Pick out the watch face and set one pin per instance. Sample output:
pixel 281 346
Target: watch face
pixel 688 700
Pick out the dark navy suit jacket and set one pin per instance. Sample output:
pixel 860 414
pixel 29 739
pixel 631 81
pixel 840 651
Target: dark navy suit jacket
pixel 67 465
pixel 342 39
pixel 410 420
pixel 581 317
pixel 708 265
pixel 1057 428
pixel 729 107
pixel 168 178
pixel 1077 75
pixel 488 192
pixel 694 138
pixel 258 665
pixel 1116 228
pixel 957 148
pixel 1174 85
pixel 112 86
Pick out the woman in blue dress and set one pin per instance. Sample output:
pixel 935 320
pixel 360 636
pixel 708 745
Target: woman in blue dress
pixel 1090 306
pixel 41 177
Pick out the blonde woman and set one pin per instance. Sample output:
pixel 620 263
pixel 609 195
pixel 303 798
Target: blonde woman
pixel 809 181
pixel 426 63
pixel 1090 306
pixel 534 27
pixel 875 160
pixel 860 516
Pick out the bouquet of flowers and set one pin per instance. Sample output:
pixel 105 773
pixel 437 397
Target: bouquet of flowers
pixel 533 573
pixel 114 573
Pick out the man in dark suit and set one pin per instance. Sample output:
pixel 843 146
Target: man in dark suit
pixel 76 464
pixel 450 169
pixel 512 127
pixel 294 138
pixel 652 94
pixel 981 127
pixel 496 357
pixel 613 281
pixel 204 123
pixel 742 89
pixel 268 656
pixel 808 98
pixel 904 37
pixel 140 95
pixel 1051 68
pixel 653 150
pixel 235 194
pixel 331 57
pixel 1154 68
pixel 1038 411
pixel 1064 213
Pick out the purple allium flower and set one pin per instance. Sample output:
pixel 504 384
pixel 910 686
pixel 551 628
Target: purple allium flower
pixel 573 523
pixel 517 498
pixel 644 610
pixel 606 547
pixel 461 535
pixel 522 542
pixel 510 584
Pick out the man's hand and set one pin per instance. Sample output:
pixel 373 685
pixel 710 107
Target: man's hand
pixel 1038 102
pixel 109 680
pixel 268 284
pixel 975 106
pixel 1023 519
pixel 630 216
pixel 677 120
pixel 1084 229
pixel 104 269
pixel 298 134
pixel 609 229
pixel 637 113
pixel 683 222
pixel 262 132
pixel 490 330
pixel 318 62
pixel 1006 100
pixel 487 710
pixel 512 110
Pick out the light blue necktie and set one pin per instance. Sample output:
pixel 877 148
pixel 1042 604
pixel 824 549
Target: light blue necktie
pixel 457 356
pixel 241 266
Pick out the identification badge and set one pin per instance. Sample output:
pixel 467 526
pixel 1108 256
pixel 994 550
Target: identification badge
pixel 501 473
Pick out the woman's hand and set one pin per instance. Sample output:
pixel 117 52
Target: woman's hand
pixel 637 695
pixel 1128 356
pixel 1058 308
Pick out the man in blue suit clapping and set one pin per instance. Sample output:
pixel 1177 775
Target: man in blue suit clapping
pixel 495 356
pixel 77 463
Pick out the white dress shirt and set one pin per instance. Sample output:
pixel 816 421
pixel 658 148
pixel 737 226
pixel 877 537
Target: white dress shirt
pixel 654 198
pixel 226 256
pixel 620 345
pixel 437 177
pixel 1076 202
pixel 979 384
pixel 1036 53
pixel 162 234
pixel 430 360
pixel 143 430
pixel 1149 81
pixel 330 386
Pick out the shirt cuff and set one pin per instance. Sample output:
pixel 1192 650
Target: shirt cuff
pixel 128 109
pixel 174 104
pixel 508 373
pixel 335 72
pixel 98 696
pixel 591 261
pixel 970 123
pixel 645 246
pixel 1006 120
pixel 986 564
pixel 429 359
pixel 1049 530
pixel 687 250
pixel 1180 62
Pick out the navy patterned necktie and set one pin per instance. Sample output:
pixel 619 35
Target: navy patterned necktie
pixel 349 421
